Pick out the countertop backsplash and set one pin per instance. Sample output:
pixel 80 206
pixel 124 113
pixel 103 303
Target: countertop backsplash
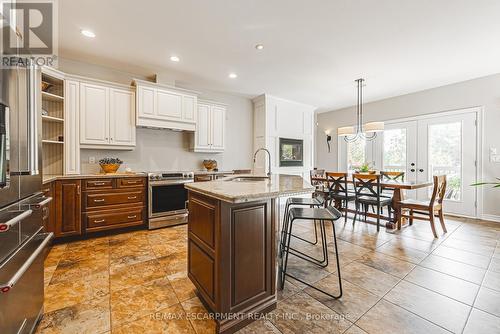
pixel 160 150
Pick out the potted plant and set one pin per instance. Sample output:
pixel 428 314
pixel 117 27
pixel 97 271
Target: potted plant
pixel 364 169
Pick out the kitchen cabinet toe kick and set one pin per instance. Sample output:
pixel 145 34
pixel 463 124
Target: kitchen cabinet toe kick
pixel 231 258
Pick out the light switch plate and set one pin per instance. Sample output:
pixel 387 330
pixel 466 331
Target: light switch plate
pixel 493 151
pixel 495 158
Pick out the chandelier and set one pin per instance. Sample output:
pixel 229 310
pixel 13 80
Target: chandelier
pixel 367 131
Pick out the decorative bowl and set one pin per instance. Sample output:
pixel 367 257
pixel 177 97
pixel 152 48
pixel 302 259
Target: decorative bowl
pixel 210 164
pixel 46 86
pixel 110 168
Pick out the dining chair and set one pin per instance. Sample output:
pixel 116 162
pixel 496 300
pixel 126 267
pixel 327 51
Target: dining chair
pixel 391 176
pixel 426 210
pixel 317 177
pixel 339 192
pixel 368 192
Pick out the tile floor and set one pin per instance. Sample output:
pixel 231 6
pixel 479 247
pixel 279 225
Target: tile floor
pixel 406 282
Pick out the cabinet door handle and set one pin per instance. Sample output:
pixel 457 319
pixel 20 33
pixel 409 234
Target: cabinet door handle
pixel 78 189
pixel 99 200
pixel 99 221
pixel 132 217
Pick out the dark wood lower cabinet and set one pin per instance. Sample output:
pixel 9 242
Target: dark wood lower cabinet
pixel 231 258
pixel 49 218
pixel 68 203
pixel 109 204
pixel 84 206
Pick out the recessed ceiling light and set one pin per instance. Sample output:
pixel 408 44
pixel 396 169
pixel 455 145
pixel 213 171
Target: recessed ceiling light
pixel 259 46
pixel 175 59
pixel 233 75
pixel 88 33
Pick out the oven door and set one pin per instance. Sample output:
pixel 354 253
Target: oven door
pixel 167 198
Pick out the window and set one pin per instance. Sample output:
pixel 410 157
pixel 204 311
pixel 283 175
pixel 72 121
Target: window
pixel 356 154
pixel 394 150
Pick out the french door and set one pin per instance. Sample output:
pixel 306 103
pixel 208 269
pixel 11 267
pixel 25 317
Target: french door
pixel 447 145
pixel 425 147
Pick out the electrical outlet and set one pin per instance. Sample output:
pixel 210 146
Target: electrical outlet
pixel 495 158
pixel 91 160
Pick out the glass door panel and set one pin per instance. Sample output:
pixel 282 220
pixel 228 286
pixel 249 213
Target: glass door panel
pixel 447 146
pixel 445 156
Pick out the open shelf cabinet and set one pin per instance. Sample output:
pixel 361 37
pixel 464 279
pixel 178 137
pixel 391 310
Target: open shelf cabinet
pixel 52 91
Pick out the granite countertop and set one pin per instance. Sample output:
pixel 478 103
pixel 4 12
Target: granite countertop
pixel 206 172
pixel 50 178
pixel 239 192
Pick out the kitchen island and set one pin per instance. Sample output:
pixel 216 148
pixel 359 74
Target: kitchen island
pixel 231 244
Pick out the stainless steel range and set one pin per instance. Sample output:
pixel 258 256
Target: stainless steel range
pixel 168 198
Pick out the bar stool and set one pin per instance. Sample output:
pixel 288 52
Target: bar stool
pixel 322 214
pixel 299 201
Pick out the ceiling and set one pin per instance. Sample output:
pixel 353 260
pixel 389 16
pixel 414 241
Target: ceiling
pixel 313 50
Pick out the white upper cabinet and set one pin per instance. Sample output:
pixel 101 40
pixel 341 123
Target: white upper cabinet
pixel 165 107
pixel 218 121
pixel 202 133
pixel 94 114
pixel 122 128
pixel 210 131
pixel 107 116
pixel 146 101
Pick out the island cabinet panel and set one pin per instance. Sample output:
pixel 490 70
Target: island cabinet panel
pixel 231 252
pixel 248 239
pixel 203 211
pixel 202 270
pixel 247 255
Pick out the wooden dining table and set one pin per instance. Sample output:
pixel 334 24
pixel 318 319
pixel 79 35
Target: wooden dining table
pixel 398 187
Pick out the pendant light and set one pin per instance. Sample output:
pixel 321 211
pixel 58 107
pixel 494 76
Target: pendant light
pixel 366 131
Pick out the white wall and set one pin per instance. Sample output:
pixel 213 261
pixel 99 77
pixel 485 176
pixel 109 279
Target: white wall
pixel 484 92
pixel 169 150
pixel 276 118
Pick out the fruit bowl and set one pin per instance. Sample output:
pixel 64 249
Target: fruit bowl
pixel 109 168
pixel 210 164
pixel 110 165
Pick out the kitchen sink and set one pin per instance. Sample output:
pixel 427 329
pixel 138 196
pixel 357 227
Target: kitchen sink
pixel 249 179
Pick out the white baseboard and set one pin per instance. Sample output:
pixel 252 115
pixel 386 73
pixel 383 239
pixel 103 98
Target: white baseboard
pixel 492 218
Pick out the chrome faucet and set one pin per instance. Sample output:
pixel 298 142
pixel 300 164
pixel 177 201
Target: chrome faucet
pixel 269 154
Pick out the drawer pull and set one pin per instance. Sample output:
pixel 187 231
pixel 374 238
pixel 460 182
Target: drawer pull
pixel 99 221
pixel 132 197
pixel 100 183
pixel 131 182
pixel 132 217
pixel 99 200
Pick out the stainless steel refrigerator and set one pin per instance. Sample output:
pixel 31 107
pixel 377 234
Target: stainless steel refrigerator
pixel 23 241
